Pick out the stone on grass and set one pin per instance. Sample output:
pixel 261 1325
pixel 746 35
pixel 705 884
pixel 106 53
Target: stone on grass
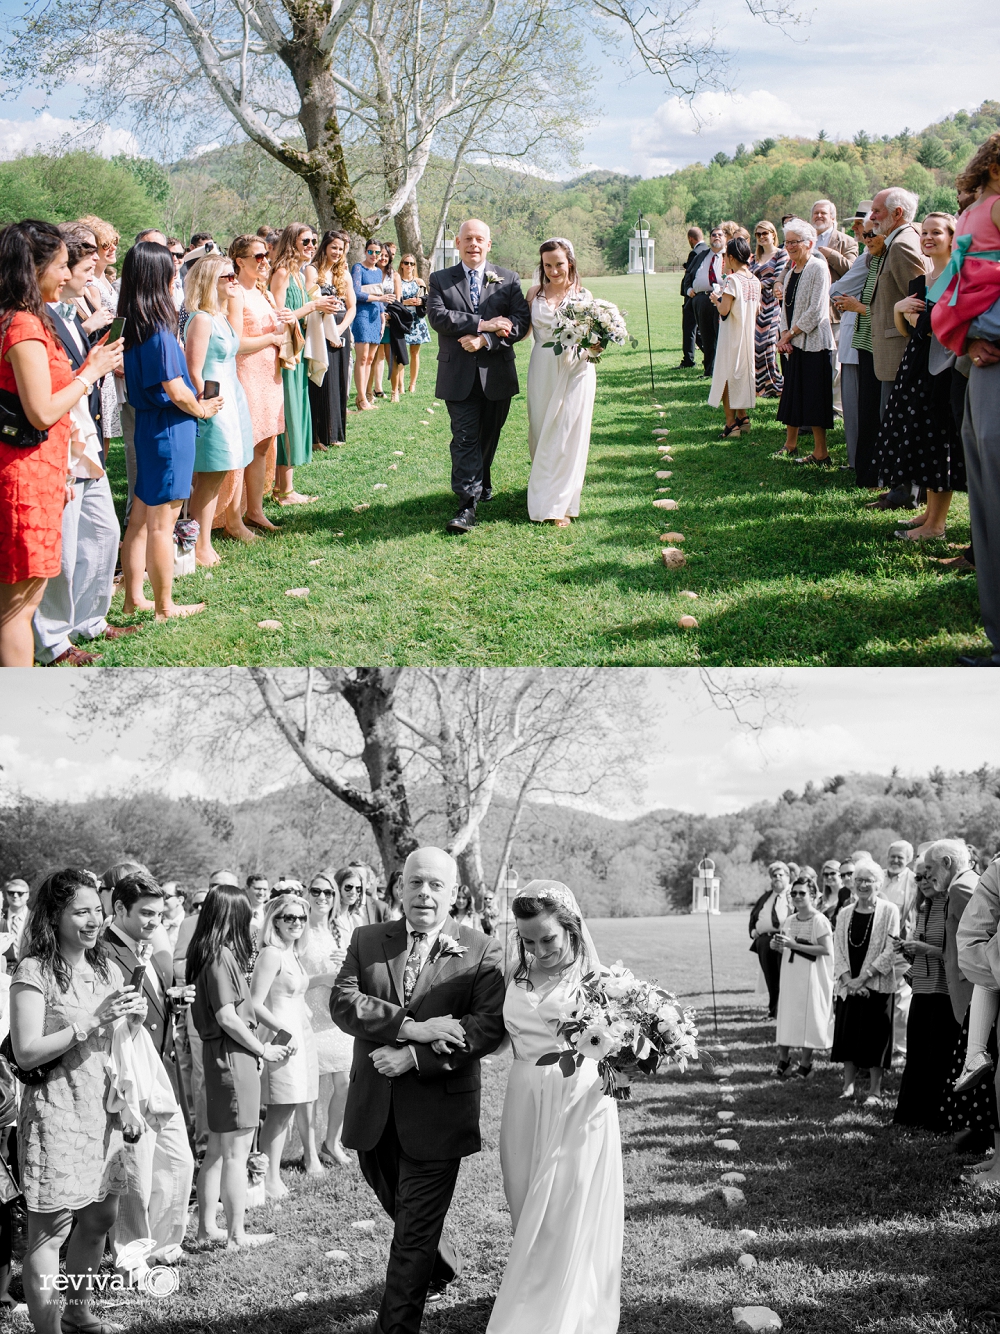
pixel 268 625
pixel 686 593
pixel 725 1116
pixel 671 537
pixel 398 453
pixel 313 1241
pixel 662 476
pixel 300 1296
pixel 363 506
pixel 723 1071
pixel 296 592
pixel 747 1261
pixel 380 486
pixel 665 504
pixel 393 467
pixel 364 1225
pixel 732 1178
pixel 726 1145
pixel 339 1257
pixel 733 1197
pixel 317 561
pixel 687 622
pixel 673 558
pixel 424 423
pixel 726 1097
pixel 747 1232
pixel 750 1319
pixel 661 430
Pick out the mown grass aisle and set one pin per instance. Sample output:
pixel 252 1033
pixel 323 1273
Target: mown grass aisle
pixel 788 566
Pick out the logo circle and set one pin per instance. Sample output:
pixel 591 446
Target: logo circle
pixel 161 1281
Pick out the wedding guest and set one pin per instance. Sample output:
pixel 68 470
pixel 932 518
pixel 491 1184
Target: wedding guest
pixel 845 298
pixel 223 1014
pixel 224 443
pixel 836 247
pixel 769 263
pixel 370 906
pixel 832 885
pixel 75 603
pixel 463 910
pixel 734 379
pixel 13 918
pixel 807 343
pixel 707 275
pixel 391 288
pixel 920 440
pixel 766 918
pixel 324 951
pixel 103 300
pixel 278 989
pixel 167 410
pixel 488 915
pixel 258 892
pixel 173 913
pixel 329 400
pixel 292 275
pixel 65 998
pixel 261 329
pixel 900 886
pixel 413 293
pixel 176 249
pixel 351 886
pixel 941 994
pixel 366 329
pixel 847 876
pixel 805 948
pixel 34 368
pixel 689 320
pixel 393 901
pixel 863 966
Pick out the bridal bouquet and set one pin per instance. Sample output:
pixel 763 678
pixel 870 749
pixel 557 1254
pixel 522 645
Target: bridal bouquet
pixel 587 325
pixel 621 1022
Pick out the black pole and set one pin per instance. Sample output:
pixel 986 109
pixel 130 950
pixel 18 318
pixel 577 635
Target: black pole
pixel 645 297
pixel 711 961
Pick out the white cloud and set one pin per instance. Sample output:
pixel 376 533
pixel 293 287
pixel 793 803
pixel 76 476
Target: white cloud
pixel 46 131
pixel 68 778
pixel 713 121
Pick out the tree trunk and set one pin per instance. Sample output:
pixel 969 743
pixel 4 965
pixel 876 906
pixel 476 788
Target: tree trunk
pixel 370 694
pixel 470 867
pixel 408 233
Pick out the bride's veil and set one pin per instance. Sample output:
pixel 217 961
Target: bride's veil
pixel 552 894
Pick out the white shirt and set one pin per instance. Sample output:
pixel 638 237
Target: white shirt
pixel 143 951
pixel 824 238
pixel 709 272
pixel 431 935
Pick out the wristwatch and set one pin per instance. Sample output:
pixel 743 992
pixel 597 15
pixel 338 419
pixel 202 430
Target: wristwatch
pixel 80 1034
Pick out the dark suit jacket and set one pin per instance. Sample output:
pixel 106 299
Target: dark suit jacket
pixel 76 360
pixel 903 262
pixel 450 315
pixel 697 254
pixel 436 1106
pixel 157 1022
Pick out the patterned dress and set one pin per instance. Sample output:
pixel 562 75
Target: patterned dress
pixel 420 332
pixel 768 272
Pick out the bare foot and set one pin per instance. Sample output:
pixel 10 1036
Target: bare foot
pixel 241 534
pixel 336 1152
pixel 293 498
pixel 412 389
pixel 212 558
pixel 261 521
pixel 211 1235
pixel 250 1239
pixel 919 534
pixel 984 1166
pixel 277 1192
pixel 131 607
pixel 180 609
pixel 364 406
pixel 395 396
pixel 558 523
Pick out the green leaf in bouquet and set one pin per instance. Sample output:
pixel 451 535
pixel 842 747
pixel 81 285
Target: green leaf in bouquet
pixel 548 344
pixel 549 1058
pixel 567 1064
pixel 557 349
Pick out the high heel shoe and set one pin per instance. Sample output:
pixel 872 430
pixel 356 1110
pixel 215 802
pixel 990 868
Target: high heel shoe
pixel 781 1069
pixel 804 1071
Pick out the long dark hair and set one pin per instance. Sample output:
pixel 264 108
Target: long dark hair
pixel 26 248
pixel 558 243
pixel 524 906
pixel 224 920
pixel 144 297
pixel 41 930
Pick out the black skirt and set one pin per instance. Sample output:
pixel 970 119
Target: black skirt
pixel 328 401
pixel 931 1034
pixel 862 1030
pixel 807 393
pixel 920 440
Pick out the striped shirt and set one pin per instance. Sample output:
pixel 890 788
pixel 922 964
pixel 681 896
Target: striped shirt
pixel 863 329
pixel 927 977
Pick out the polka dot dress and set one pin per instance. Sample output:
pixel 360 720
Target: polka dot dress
pixel 976 1109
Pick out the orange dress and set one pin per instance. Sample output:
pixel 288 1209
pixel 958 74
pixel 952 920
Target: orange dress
pixel 33 481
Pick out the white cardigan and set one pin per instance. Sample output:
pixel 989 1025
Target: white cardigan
pixel 880 955
pixel 812 306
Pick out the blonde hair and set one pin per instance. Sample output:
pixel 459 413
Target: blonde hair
pixel 201 292
pixel 103 231
pixel 268 931
pixel 285 254
pixel 948 218
pixel 771 228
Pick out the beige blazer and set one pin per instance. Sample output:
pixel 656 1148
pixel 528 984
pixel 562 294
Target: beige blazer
pixel 840 254
pixel 902 263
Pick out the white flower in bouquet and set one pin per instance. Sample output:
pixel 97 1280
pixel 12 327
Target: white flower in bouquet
pixel 618 981
pixel 587 325
pixel 596 1042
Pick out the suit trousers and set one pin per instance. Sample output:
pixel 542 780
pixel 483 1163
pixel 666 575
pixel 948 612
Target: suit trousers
pixel 155 1203
pixel 770 962
pixel 476 423
pixel 981 441
pixel 708 326
pixel 75 603
pixel 689 330
pixel 416 1196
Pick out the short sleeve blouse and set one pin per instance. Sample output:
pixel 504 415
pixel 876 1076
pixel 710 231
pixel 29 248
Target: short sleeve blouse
pixel 218 984
pixel 148 365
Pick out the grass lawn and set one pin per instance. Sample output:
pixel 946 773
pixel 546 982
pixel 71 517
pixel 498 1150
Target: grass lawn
pixel 788 565
pixel 860 1227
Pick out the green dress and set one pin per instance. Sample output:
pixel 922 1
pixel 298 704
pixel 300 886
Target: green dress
pixel 295 442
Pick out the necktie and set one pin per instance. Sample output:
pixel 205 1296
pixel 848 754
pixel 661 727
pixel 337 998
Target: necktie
pixel 416 961
pixel 713 277
pixel 474 289
pixel 67 310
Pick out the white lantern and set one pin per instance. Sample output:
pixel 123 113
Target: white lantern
pixel 640 252
pixel 705 888
pixel 445 255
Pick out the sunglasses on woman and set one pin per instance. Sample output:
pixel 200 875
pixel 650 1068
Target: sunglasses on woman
pixel 321 893
pixel 290 919
pixel 262 255
pixel 797 894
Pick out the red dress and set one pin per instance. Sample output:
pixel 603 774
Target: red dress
pixel 33 481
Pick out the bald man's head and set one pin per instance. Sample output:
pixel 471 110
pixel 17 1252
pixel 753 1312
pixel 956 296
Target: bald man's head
pixel 430 884
pixel 474 242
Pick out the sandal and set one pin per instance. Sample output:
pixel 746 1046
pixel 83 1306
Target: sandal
pixel 745 425
pixel 729 431
pixel 817 463
pixel 783 453
pixel 804 1071
pixel 781 1069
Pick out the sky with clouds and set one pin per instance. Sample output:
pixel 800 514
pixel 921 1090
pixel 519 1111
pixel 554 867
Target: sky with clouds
pixel 695 757
pixel 847 66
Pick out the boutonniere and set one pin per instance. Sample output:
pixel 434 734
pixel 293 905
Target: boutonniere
pixel 450 948
pixel 490 277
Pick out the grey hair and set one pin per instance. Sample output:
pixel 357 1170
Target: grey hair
pixel 872 867
pixel 798 227
pixel 949 847
pixel 902 843
pixel 828 203
pixel 897 197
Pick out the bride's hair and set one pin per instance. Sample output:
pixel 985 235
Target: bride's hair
pixel 557 243
pixel 525 906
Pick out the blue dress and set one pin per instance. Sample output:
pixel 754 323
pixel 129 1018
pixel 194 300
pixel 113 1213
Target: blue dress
pixel 164 434
pixel 420 332
pixel 366 327
pixel 225 441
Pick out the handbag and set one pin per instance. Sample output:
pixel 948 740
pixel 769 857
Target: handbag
pixel 9 1189
pixel 36 1076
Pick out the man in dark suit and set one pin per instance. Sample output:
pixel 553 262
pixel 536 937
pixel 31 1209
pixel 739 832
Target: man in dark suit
pixel 706 273
pixel 161 1165
pixel 478 312
pixel 689 320
pixel 423 999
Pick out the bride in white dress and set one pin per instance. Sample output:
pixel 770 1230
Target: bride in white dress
pixel 560 1146
pixel 560 395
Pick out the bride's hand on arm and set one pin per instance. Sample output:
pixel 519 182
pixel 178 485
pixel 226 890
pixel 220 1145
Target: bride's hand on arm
pixel 443 1028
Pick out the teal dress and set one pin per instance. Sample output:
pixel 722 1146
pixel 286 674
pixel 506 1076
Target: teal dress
pixel 295 442
pixel 225 441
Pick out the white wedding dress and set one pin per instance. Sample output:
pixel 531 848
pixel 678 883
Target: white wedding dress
pixel 561 394
pixel 561 1156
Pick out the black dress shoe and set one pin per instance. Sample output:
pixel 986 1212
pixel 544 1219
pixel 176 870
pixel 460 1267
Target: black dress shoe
pixel 685 365
pixel 463 521
pixel 966 660
pixel 486 496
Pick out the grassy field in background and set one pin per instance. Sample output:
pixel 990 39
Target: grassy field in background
pixel 788 565
pixel 861 1228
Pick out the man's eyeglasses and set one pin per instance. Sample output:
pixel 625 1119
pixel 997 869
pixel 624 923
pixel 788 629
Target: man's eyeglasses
pixel 290 919
pixel 177 255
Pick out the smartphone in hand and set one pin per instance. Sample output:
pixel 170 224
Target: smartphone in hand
pixel 282 1038
pixel 211 389
pixel 117 329
pixel 138 974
